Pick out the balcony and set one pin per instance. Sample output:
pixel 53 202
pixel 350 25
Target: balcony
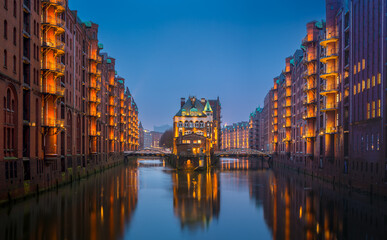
pixel 60 4
pixel 307 40
pixel 330 130
pixel 329 107
pixel 309 135
pixel 309 101
pixel 310 72
pixel 95 85
pixel 53 89
pixel 95 99
pixel 329 72
pixel 330 54
pixel 310 58
pixel 309 87
pixel 287 105
pixel 56 45
pixel 287 125
pixel 53 123
pixel 288 94
pixel 287 139
pixel 95 114
pixel 95 72
pixel 309 115
pixel 95 58
pixel 328 89
pixel 52 21
pixel 94 133
pixel 54 67
pixel 331 38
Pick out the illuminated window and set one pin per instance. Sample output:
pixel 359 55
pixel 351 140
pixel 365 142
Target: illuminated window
pixel 368 110
pixel 379 78
pixel 363 85
pixel 363 63
pixel 354 69
pixel 379 108
pixel 373 109
pixel 377 142
pixel 354 90
pixel 373 81
pixel 358 87
pixel 358 66
pixel 368 83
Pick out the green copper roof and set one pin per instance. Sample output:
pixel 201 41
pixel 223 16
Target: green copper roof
pixel 116 72
pixel 194 109
pixel 100 45
pixel 121 81
pixel 292 61
pixel 88 24
pixel 109 60
pixel 303 47
pixel 208 108
pixel 319 25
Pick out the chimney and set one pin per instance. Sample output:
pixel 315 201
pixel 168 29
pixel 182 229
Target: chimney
pixel 203 101
pixel 182 102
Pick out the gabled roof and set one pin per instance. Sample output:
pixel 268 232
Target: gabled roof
pixel 208 108
pixel 192 104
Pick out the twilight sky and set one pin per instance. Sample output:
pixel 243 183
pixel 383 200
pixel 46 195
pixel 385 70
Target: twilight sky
pixel 168 49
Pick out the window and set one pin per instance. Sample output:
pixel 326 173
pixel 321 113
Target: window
pixel 373 81
pixel 5 29
pixel 373 109
pixel 202 124
pixel 379 78
pixel 379 108
pixel 197 124
pixel 186 124
pixel 191 124
pixel 6 4
pixel 14 36
pixel 14 8
pixel 14 63
pixel 10 111
pixel 368 83
pixel 5 58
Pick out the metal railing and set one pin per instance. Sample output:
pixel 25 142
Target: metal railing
pixel 53 89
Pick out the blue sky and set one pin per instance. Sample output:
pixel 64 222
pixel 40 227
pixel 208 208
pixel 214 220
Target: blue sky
pixel 168 49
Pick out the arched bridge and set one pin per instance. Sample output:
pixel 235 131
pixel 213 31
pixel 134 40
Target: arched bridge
pixel 147 152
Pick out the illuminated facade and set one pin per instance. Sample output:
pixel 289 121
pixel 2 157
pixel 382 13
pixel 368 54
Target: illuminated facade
pixel 66 110
pixel 196 127
pixel 235 136
pixel 327 112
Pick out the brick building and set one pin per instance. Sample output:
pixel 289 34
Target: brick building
pixel 236 136
pixel 66 112
pixel 327 106
pixel 196 127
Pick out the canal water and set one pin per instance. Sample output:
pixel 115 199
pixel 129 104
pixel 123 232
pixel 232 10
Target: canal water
pixel 241 199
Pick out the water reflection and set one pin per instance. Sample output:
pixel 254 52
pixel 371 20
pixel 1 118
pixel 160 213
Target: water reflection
pixel 196 198
pixel 99 207
pixel 299 207
pixel 255 203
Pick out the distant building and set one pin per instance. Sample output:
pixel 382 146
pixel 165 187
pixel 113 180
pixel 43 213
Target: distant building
pixel 141 136
pixel 147 139
pixel 197 126
pixel 235 136
pixel 156 139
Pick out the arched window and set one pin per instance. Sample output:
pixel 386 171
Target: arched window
pixel 197 124
pixel 79 134
pixel 180 124
pixel 186 124
pixel 5 29
pixel 201 124
pixel 191 124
